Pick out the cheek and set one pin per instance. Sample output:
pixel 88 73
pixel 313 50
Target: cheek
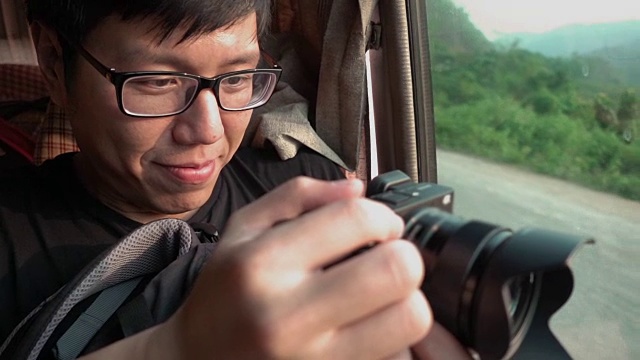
pixel 137 138
pixel 101 128
pixel 118 140
pixel 235 126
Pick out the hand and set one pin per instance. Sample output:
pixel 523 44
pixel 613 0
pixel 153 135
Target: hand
pixel 265 293
pixel 440 344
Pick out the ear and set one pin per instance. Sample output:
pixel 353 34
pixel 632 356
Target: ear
pixel 49 52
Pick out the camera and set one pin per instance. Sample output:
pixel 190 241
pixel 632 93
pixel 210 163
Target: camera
pixel 493 288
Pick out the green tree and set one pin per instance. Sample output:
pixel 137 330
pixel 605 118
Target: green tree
pixel 543 102
pixel 628 109
pixel 604 112
pixel 628 113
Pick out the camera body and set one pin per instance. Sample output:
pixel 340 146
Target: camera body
pixel 396 190
pixel 492 288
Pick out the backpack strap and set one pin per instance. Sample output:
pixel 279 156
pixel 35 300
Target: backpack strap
pixel 76 338
pixel 135 316
pixel 146 251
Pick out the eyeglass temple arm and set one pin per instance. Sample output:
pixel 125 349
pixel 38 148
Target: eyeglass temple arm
pixel 108 73
pixel 102 69
pixel 270 60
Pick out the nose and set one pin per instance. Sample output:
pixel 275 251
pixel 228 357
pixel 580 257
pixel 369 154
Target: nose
pixel 201 123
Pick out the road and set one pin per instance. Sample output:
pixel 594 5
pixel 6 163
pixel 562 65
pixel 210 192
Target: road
pixel 602 318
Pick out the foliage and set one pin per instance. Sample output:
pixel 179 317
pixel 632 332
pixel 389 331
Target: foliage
pixel 615 42
pixel 573 118
pixel 502 129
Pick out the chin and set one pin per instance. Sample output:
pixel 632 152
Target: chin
pixel 185 203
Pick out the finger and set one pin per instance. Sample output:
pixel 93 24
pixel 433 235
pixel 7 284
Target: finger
pixel 332 232
pixel 440 344
pixel 368 282
pixel 403 355
pixel 356 289
pixel 385 333
pixel 288 201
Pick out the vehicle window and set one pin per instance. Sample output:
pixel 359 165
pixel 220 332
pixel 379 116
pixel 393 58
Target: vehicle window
pixel 15 40
pixel 537 110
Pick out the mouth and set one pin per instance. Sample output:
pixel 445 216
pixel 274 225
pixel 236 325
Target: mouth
pixel 191 173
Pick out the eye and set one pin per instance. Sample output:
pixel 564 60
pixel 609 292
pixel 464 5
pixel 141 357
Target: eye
pixel 237 81
pixel 160 82
pixel 155 83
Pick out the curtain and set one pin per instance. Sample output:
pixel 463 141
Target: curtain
pixel 15 39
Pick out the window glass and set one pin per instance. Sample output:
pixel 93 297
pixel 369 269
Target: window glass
pixel 537 108
pixel 15 40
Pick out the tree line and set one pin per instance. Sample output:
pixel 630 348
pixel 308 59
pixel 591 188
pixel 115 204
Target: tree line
pixel 575 118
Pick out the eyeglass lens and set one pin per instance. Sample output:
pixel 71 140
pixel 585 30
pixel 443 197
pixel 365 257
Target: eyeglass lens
pixel 170 94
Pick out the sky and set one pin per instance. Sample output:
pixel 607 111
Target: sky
pixel 496 17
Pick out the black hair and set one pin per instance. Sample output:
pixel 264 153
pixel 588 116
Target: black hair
pixel 77 18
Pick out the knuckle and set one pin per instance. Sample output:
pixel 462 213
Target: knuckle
pixel 403 265
pixel 265 325
pixel 375 218
pixel 272 337
pixel 368 212
pixel 416 318
pixel 245 267
pixel 269 313
pixel 239 222
pixel 299 185
pixel 354 209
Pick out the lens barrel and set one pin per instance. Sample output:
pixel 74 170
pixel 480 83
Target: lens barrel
pixel 492 288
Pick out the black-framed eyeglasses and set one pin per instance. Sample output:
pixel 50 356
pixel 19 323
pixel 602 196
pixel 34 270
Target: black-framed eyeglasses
pixel 165 93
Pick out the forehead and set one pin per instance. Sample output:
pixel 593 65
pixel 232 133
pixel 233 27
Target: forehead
pixel 142 40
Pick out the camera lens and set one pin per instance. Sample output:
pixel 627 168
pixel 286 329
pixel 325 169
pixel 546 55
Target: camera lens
pixel 519 297
pixel 493 288
pixel 456 253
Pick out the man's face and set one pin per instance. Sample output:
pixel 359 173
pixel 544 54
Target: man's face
pixel 149 168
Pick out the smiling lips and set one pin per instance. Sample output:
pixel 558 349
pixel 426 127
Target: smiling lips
pixel 192 173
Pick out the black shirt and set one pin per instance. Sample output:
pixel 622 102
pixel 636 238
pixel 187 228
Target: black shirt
pixel 51 227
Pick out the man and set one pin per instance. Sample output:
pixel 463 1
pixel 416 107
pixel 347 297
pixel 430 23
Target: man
pixel 158 142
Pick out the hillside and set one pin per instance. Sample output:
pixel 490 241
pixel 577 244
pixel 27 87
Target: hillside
pixel 625 59
pixel 451 31
pixel 576 117
pixel 578 39
pixel 611 51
